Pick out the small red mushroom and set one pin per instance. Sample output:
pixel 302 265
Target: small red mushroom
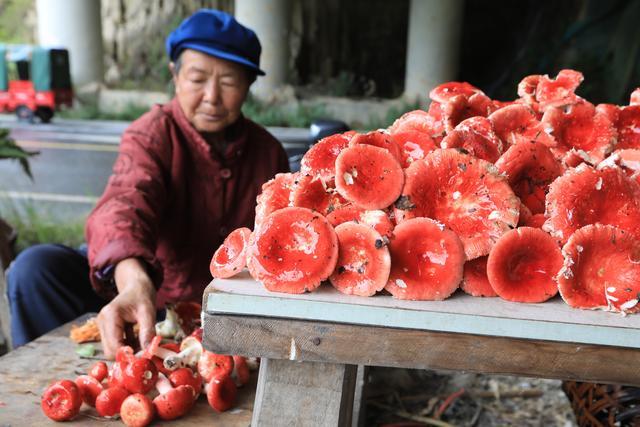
pixel 172 402
pixel 221 393
pixel 89 388
pixel 99 371
pixel 61 401
pixel 125 354
pixel 140 376
pixel 137 410
pixel 185 376
pixel 240 372
pixel 157 349
pixel 115 374
pixel 157 352
pixel 212 364
pixel 110 400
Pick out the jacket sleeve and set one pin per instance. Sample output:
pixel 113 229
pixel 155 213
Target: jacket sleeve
pixel 125 221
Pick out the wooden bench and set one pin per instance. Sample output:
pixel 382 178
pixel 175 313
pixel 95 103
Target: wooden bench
pixel 310 344
pixel 26 371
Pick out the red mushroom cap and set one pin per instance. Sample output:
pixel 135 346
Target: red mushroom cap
pixel 527 89
pixel 151 349
pixel 476 136
pixel 582 127
pixel 115 375
pixel 635 97
pixel 89 388
pixel 125 354
pixel 414 145
pixel 99 371
pixel 462 107
pixel 444 92
pixel 140 376
pixel 530 168
pixel 212 364
pixel 240 371
pixel 379 139
pixel 189 315
pixel 110 400
pixel 320 160
pixel 518 122
pixel 185 376
pixel 61 401
pixel 221 393
pixel 137 410
pixel 421 121
pixel 174 403
pixel 560 91
pixel 474 280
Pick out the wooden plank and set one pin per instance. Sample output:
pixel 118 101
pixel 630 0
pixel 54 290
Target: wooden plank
pixel 304 394
pixel 376 346
pixel 553 320
pixel 26 372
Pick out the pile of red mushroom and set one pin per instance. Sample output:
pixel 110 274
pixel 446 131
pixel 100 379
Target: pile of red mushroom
pixel 164 380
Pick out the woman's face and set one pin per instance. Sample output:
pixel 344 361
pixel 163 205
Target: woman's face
pixel 210 90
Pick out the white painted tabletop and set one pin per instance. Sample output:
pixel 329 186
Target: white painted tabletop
pixel 553 320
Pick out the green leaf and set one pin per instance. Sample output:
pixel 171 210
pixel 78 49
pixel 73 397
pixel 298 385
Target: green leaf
pixel 10 150
pixel 86 350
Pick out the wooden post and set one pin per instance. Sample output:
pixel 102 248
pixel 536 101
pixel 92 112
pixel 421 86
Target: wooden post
pixel 304 394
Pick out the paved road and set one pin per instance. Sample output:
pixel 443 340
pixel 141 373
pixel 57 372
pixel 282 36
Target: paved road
pixel 75 162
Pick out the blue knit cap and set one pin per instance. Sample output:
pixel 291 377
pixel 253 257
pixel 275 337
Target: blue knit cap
pixel 217 34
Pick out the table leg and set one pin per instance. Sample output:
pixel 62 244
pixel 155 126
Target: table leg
pixel 314 394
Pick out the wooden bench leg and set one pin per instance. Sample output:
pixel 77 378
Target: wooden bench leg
pixel 359 414
pixel 293 393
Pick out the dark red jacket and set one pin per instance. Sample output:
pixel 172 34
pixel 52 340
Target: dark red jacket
pixel 172 200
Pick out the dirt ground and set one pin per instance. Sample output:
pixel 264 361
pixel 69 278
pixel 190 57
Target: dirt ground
pixel 403 397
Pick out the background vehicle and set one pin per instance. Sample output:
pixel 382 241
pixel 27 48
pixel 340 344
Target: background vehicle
pixel 34 81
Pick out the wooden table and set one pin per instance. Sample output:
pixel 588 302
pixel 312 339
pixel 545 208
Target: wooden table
pixel 26 372
pixel 331 333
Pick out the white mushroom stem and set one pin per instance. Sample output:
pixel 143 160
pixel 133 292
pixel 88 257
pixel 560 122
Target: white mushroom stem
pixel 170 326
pixel 161 352
pixel 164 353
pixel 190 352
pixel 163 384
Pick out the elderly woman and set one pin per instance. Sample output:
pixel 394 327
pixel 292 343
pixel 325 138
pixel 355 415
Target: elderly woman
pixel 187 173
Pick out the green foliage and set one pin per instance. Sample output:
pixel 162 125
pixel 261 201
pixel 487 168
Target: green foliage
pixel 275 115
pixel 35 226
pixel 13 15
pixel 92 112
pixel 10 150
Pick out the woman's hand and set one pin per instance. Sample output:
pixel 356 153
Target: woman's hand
pixel 135 303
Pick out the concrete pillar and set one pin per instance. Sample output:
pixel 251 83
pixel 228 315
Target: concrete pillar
pixel 433 45
pixel 76 25
pixel 270 20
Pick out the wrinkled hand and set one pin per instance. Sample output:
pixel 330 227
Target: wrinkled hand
pixel 135 303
